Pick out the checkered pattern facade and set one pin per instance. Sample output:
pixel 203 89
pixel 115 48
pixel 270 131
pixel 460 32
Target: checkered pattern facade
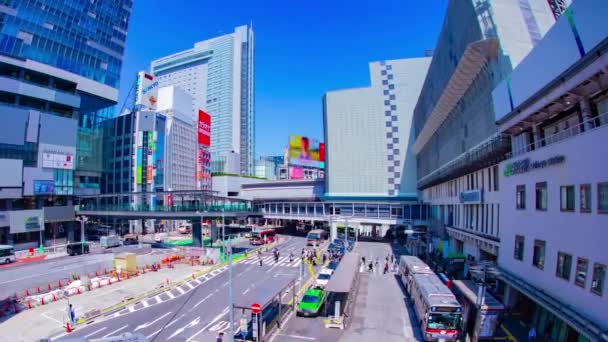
pixel 392 128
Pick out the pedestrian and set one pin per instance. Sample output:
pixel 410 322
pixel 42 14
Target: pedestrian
pixel 363 260
pixel 291 257
pixel 260 257
pixel 532 334
pixel 324 258
pixel 370 267
pixel 385 267
pixel 72 314
pixel 220 337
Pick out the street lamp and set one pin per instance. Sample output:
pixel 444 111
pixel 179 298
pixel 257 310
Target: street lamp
pixel 230 304
pixel 83 220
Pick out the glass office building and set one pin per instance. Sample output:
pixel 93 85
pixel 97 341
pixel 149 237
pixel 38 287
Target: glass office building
pixel 60 64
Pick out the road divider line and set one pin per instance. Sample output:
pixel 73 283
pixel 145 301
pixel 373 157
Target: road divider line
pixel 199 303
pixel 117 330
pixel 95 332
pixel 175 320
pixel 154 333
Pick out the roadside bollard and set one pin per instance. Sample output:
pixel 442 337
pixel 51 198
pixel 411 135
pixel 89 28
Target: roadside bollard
pixel 54 298
pixel 192 276
pixel 42 302
pixel 49 286
pixel 39 290
pixel 59 284
pixel 27 292
pixel 29 305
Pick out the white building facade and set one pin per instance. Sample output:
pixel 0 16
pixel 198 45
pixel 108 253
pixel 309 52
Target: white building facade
pixel 457 143
pixel 554 185
pixel 219 75
pixel 367 133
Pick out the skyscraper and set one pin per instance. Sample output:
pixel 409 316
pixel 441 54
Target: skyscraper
pixel 219 74
pixel 59 71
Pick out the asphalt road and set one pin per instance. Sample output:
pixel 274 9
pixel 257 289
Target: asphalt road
pixel 197 310
pixel 39 274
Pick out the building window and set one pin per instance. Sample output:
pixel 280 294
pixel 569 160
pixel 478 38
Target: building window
pixel 585 198
pixel 564 265
pixel 582 265
pixel 567 197
pixel 602 198
pixel 495 170
pixel 520 197
pixel 518 252
pixel 538 258
pixel 541 196
pixel 598 279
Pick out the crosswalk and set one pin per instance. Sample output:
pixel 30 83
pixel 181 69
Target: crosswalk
pixel 269 260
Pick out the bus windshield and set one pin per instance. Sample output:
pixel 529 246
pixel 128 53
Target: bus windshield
pixel 443 320
pixel 6 251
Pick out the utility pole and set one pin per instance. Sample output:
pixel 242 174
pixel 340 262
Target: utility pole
pixel 230 305
pixel 83 220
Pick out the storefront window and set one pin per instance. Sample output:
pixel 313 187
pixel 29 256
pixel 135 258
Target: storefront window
pixel 520 197
pixel 585 198
pixel 599 277
pixel 541 196
pixel 580 278
pixel 567 198
pixel 602 197
pixel 564 265
pixel 538 259
pixel 518 253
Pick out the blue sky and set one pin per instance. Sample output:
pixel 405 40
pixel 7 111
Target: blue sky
pixel 303 49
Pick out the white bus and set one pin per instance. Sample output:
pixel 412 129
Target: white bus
pixel 438 311
pixel 7 254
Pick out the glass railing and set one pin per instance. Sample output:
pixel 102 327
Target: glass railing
pixel 231 207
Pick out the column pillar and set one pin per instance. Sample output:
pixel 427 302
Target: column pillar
pixel 333 229
pixel 69 233
pixel 197 235
pixel 586 113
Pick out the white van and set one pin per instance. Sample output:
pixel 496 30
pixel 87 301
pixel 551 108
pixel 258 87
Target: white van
pixel 109 241
pixel 7 254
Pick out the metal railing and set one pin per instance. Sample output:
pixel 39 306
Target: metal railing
pixel 164 208
pixel 346 210
pixel 585 126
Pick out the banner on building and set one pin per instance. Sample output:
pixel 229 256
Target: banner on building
pixel 204 128
pixel 57 156
pixel 23 221
pixel 147 91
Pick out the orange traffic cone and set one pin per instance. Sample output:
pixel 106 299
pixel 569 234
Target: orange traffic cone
pixel 68 329
pixel 42 303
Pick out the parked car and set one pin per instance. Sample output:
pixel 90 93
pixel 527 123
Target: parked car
pixel 332 265
pixel 312 302
pixel 130 239
pixel 185 229
pixel 323 277
pixel 76 248
pixel 109 241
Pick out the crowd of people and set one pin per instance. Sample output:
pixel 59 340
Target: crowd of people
pixel 390 264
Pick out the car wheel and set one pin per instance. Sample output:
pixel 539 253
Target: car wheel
pixel 7 261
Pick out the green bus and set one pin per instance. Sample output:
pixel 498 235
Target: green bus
pixel 7 254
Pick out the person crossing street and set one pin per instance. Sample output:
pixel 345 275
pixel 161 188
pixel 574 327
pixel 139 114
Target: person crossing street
pixel 260 257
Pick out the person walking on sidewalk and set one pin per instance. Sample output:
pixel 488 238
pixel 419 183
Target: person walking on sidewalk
pixel 370 267
pixel 220 337
pixel 532 334
pixel 385 267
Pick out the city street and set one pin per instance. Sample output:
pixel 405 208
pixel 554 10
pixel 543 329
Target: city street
pixel 198 309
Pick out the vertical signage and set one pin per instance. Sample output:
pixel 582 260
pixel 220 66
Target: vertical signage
pixel 147 91
pixel 204 128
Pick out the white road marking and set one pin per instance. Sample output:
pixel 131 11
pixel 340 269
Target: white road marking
pixel 191 324
pixel 175 320
pixel 51 318
pixel 145 325
pixel 95 332
pixel 131 308
pixel 217 318
pixel 180 290
pixel 116 314
pixel 189 285
pixel 154 333
pixel 298 336
pixel 158 300
pixel 297 263
pixel 247 290
pixel 198 281
pixel 171 295
pixel 145 304
pixel 117 330
pixel 204 299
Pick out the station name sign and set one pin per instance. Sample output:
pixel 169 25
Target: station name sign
pixel 525 165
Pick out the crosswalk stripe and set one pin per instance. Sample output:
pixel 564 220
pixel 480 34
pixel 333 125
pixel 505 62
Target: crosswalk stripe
pixel 145 303
pixel 131 308
pixel 171 295
pixel 158 300
pixel 180 290
pixel 297 263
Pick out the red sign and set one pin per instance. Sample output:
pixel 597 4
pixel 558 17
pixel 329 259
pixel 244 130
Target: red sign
pixel 204 128
pixel 256 308
pixel 322 152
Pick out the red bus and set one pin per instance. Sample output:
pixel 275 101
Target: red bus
pixel 260 238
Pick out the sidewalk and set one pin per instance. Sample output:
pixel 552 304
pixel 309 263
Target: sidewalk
pixel 47 320
pixel 381 311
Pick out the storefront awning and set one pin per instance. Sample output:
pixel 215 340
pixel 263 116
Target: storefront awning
pixel 582 324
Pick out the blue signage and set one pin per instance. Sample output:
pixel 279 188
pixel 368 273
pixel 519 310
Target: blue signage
pixel 471 196
pixel 44 187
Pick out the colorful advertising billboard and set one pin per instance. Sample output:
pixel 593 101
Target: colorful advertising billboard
pixel 147 91
pixel 308 152
pixel 204 128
